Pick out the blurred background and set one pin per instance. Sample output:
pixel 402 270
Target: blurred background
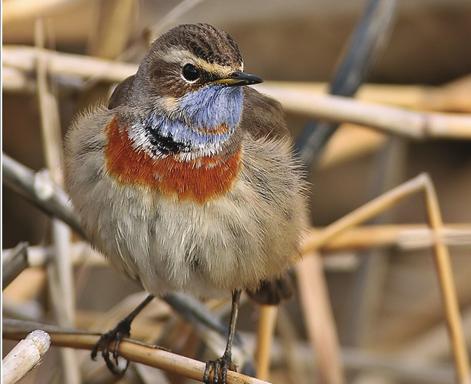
pixel 385 299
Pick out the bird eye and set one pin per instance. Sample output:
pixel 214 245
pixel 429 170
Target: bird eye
pixel 190 73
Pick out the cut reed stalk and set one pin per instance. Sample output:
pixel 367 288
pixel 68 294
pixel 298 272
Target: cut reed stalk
pixel 131 350
pixel 25 356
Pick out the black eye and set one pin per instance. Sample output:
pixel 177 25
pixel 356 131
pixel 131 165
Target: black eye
pixel 190 72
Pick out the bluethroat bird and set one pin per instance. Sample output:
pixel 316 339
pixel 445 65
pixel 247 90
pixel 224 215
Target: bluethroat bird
pixel 186 181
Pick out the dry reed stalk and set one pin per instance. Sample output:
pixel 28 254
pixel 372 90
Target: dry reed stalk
pixel 412 124
pixel 421 183
pixel 60 280
pixel 405 236
pixel 319 319
pixel 128 349
pixel 25 356
pixel 265 330
pixel 452 96
pixel 447 286
pixel 23 58
pixel 416 125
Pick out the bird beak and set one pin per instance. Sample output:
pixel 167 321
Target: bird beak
pixel 239 78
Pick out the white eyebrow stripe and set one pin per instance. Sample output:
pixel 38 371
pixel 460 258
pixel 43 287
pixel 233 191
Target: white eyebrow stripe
pixel 176 55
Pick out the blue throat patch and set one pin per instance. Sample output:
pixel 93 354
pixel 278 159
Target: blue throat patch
pixel 195 126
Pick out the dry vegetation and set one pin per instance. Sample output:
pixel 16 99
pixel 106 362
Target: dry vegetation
pixel 383 290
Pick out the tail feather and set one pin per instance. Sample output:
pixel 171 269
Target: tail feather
pixel 273 292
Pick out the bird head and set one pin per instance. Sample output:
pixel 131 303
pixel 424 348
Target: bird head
pixel 190 85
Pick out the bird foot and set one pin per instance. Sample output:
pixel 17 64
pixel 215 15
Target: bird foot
pixel 108 344
pixel 216 370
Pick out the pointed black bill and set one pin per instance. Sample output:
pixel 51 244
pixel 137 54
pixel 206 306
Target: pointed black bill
pixel 240 78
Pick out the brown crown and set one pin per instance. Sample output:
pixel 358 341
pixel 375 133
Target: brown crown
pixel 204 41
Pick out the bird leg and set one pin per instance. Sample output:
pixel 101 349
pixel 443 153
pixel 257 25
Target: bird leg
pixel 113 338
pixel 216 370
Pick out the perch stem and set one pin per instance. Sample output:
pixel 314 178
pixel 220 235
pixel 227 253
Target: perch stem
pixel 129 349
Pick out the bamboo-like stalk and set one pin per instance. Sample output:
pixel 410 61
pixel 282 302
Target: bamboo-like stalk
pixel 60 280
pixel 452 96
pixel 65 64
pixel 25 356
pixel 405 236
pixel 412 124
pixel 319 318
pixel 265 330
pixel 447 286
pixel 129 349
pixel 364 213
pixel 421 183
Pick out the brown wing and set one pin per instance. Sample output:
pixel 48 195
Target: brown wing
pixel 263 116
pixel 120 93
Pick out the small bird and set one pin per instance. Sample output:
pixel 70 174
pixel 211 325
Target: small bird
pixel 186 181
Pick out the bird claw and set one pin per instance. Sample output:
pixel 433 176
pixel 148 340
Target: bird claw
pixel 215 371
pixel 110 339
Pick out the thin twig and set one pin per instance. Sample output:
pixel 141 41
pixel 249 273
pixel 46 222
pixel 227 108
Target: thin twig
pixel 25 356
pixel 129 349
